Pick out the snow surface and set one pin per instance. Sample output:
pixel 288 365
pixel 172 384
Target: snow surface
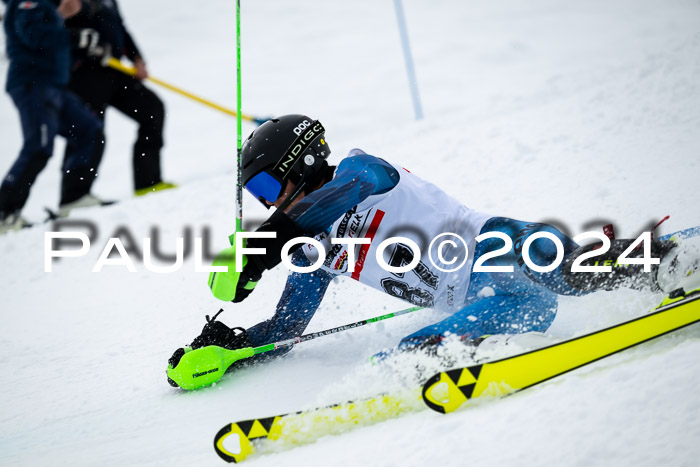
pixel 571 112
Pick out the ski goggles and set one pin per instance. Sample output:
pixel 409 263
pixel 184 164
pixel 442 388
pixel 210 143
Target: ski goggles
pixel 264 187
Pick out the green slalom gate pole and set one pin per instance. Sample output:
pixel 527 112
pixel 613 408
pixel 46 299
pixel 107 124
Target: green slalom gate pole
pixel 206 365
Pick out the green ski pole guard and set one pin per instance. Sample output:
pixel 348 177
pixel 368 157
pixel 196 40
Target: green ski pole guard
pixel 202 367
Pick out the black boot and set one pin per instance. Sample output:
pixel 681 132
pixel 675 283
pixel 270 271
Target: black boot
pixel 622 275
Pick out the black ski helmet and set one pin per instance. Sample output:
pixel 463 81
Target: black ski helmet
pixel 290 147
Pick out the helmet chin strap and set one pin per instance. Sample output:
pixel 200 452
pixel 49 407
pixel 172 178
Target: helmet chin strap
pixel 306 178
pixel 297 191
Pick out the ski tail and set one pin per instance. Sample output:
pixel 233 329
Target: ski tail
pixel 285 431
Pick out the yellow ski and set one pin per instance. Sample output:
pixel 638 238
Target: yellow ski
pixel 447 391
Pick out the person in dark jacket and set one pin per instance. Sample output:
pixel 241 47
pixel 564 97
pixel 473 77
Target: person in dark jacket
pixel 38 46
pixel 100 87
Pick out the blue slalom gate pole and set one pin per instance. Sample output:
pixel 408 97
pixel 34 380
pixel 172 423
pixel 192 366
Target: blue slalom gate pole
pixel 239 131
pixel 410 70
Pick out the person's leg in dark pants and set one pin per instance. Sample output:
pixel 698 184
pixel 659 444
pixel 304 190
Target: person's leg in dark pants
pixel 139 103
pixel 39 109
pixel 100 87
pixel 95 90
pixel 83 131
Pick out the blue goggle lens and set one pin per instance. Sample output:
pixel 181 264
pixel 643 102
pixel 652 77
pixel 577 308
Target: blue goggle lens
pixel 264 187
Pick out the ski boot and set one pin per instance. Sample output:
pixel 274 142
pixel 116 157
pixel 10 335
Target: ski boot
pixel 160 186
pixel 498 346
pixel 86 201
pixel 680 269
pixel 629 275
pixel 427 354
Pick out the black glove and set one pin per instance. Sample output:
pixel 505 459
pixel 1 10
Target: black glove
pixel 217 333
pixel 286 230
pixel 236 286
pixel 247 281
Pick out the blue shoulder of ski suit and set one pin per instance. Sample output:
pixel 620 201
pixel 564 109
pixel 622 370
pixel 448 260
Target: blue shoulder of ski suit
pixel 357 177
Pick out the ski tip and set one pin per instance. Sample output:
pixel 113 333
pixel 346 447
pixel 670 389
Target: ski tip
pixel 446 391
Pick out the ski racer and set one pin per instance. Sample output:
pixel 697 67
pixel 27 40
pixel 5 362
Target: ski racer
pixel 284 164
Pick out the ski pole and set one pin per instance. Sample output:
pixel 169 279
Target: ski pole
pixel 118 65
pixel 206 365
pixel 298 340
pixel 239 114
